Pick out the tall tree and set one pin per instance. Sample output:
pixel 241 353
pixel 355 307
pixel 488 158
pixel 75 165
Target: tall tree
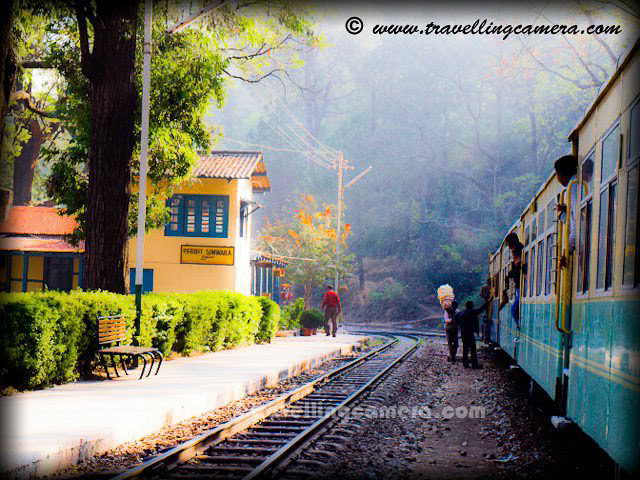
pixel 109 65
pixel 95 47
pixel 306 236
pixel 8 61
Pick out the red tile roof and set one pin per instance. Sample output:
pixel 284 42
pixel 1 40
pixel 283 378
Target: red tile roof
pixel 27 244
pixel 260 183
pixel 226 164
pixel 28 220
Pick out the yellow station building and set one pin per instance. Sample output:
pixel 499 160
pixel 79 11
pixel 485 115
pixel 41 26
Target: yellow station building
pixel 205 246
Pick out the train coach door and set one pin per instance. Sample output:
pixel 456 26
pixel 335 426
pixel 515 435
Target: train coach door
pixel 564 276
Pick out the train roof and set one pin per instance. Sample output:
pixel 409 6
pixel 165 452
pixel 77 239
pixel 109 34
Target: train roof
pixel 623 60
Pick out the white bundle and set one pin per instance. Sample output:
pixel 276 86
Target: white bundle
pixel 445 295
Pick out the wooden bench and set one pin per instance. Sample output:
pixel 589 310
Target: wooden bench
pixel 113 330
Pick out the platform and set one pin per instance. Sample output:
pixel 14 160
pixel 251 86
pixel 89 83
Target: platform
pixel 49 429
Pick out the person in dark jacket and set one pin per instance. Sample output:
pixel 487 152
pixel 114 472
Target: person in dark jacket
pixel 467 321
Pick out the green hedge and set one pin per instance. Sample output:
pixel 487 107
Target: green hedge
pixel 51 337
pixel 269 320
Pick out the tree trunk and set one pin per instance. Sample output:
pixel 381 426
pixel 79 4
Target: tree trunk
pixel 361 271
pixel 8 61
pixel 110 69
pixel 25 165
pixel 308 290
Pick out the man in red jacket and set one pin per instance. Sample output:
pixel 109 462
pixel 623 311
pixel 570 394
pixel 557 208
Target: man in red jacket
pixel 332 308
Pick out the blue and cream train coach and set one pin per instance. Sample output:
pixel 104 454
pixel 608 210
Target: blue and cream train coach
pixel 579 331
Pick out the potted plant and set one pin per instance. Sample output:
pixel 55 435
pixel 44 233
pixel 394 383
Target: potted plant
pixel 311 320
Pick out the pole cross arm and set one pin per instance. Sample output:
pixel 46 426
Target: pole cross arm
pixel 358 177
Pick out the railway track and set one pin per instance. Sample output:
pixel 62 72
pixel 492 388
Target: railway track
pixel 266 441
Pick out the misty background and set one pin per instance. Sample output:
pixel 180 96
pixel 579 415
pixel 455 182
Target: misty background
pixel 460 131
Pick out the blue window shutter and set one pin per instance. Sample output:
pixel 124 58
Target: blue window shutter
pixel 147 280
pixel 198 200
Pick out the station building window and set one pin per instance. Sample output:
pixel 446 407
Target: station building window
pixel 198 216
pixel 607 218
pixel 58 273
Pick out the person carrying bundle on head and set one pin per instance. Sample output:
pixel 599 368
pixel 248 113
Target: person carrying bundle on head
pixel 448 303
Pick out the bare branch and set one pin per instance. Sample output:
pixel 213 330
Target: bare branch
pixel 36 64
pixel 554 72
pixel 256 80
pixel 25 98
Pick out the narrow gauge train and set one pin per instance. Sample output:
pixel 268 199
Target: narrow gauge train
pixel 579 332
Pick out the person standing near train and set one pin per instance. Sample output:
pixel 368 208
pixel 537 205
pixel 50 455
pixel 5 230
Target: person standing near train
pixel 566 168
pixel 468 322
pixel 451 330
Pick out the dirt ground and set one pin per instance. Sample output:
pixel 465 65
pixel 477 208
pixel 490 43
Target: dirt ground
pixel 510 437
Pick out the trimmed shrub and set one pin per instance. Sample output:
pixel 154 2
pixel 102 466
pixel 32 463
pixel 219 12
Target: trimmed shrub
pixel 51 337
pixel 269 320
pixel 312 318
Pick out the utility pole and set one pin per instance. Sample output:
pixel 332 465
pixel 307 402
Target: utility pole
pixel 144 139
pixel 338 227
pixel 144 164
pixel 341 189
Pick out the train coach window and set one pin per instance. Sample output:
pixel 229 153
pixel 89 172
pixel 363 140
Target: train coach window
pixel 610 153
pixel 532 270
pixel 606 227
pixel 540 267
pixel 550 254
pixel 551 208
pixel 533 230
pixel 540 223
pixel 525 276
pixel 587 177
pixel 584 252
pixel 634 133
pixel 631 264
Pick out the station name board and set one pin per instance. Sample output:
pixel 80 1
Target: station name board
pixel 207 255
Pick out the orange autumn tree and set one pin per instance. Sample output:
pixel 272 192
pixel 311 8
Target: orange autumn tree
pixel 307 232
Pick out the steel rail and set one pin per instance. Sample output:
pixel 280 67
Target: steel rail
pixel 282 454
pixel 190 448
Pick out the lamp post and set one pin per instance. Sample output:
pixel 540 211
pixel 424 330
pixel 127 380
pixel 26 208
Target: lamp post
pixel 144 139
pixel 144 164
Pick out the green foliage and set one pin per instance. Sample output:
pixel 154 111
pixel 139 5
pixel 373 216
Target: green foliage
pixel 51 337
pixel 269 320
pixel 190 70
pixel 307 232
pixel 290 319
pixel 312 318
pixel 394 295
